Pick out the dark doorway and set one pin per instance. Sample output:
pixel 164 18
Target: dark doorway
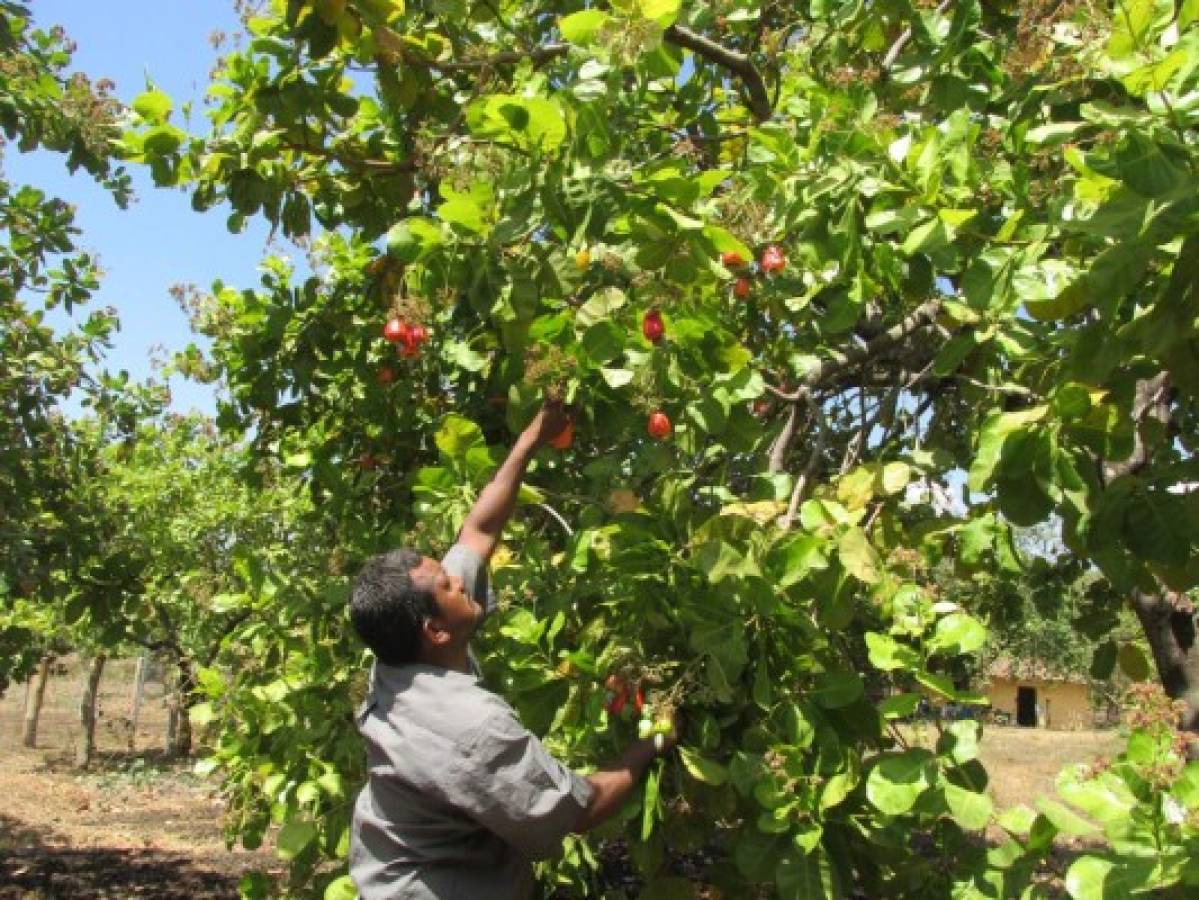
pixel 1026 707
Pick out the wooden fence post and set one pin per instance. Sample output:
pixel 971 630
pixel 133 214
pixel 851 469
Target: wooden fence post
pixel 135 704
pixel 87 712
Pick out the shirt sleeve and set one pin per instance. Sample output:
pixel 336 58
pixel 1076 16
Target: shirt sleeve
pixel 516 790
pixel 472 569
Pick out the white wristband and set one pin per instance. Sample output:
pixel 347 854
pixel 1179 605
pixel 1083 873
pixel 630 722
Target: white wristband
pixel 659 741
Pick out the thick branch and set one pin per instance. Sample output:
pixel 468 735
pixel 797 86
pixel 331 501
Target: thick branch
pixel 1151 401
pixel 841 361
pixel 737 63
pixel 782 444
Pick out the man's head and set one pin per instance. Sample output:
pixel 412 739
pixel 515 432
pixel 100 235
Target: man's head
pixel 406 608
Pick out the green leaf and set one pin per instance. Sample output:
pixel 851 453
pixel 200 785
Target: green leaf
pixel 888 654
pixel 1133 662
pixel 991 439
pixel 702 769
pixel 1064 819
pixel 341 889
pixel 582 27
pixel 201 714
pixel 899 706
pixel 837 789
pixel 938 684
pixel 897 780
pixel 756 854
pixel 457 435
pixel 960 741
pixel 154 106
pixel 413 239
pixel 603 342
pixel 1152 529
pixel 601 307
pixel 1103 661
pixel 798 877
pixel 1017 820
pixel 970 810
pixel 958 633
pixel 1095 878
pixel 926 238
pixel 837 688
pixel 858 556
pixel 463 210
pixel 661 12
pixel 1105 798
pixel 649 803
pixel 294 837
pixel 895 477
pixel 725 242
pixel 793 558
pixel 616 378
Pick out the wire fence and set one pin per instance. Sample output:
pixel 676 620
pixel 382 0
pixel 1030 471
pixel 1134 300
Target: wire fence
pixel 58 725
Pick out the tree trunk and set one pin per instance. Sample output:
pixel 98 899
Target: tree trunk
pixel 33 703
pixel 179 731
pixel 1169 623
pixel 87 712
pixel 135 702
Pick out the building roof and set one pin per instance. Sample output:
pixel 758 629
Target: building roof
pixel 1006 667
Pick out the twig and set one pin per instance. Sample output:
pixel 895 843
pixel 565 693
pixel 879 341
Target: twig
pixel 805 478
pixel 561 521
pixel 904 37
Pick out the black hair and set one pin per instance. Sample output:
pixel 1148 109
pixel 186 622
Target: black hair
pixel 388 609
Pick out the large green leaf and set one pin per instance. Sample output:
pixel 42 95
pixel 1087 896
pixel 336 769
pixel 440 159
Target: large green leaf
pixel 897 780
pixel 294 837
pixel 837 688
pixel 969 809
pixel 858 556
pixel 1096 878
pixel 582 27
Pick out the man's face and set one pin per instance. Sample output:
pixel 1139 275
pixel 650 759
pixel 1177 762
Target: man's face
pixel 460 614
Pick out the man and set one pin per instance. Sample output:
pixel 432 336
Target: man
pixel 460 796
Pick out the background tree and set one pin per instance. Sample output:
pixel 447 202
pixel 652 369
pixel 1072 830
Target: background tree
pixel 43 529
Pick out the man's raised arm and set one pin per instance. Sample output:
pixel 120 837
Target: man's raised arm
pixel 486 520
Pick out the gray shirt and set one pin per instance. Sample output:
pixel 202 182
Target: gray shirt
pixel 460 797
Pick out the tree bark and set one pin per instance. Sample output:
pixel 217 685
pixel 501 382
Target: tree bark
pixel 179 732
pixel 87 712
pixel 1169 624
pixel 33 704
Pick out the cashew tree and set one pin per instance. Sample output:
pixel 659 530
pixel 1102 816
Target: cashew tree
pixel 841 291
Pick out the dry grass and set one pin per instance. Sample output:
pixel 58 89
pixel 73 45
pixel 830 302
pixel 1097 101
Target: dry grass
pixel 1023 763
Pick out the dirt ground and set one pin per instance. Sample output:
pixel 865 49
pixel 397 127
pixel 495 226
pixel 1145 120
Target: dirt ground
pixel 135 825
pixel 138 825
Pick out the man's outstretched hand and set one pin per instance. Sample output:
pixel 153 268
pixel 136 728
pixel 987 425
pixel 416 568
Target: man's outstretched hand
pixel 549 422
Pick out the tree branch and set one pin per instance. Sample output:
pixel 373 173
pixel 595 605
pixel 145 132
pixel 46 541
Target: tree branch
pixel 841 361
pixel 904 37
pixel 782 444
pixel 737 63
pixel 809 471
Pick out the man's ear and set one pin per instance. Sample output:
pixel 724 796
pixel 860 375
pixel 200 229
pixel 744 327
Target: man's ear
pixel 434 631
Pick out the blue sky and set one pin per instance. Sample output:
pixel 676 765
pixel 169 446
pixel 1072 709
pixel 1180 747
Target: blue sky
pixel 159 240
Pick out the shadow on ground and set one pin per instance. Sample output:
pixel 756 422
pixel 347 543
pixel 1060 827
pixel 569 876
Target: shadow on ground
pixel 35 863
